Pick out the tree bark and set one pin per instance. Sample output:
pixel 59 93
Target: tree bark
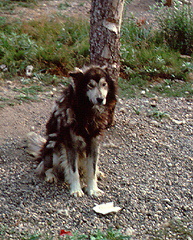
pixel 168 3
pixel 105 24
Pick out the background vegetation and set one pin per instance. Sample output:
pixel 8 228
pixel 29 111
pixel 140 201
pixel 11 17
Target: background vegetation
pixel 156 56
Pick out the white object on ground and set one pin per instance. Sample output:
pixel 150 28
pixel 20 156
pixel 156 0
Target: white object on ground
pixel 106 208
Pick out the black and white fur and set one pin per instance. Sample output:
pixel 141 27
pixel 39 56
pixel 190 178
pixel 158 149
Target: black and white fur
pixel 74 130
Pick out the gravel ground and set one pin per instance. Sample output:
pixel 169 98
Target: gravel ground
pixel 147 163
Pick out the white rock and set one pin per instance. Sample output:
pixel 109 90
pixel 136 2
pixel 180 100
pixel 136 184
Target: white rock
pixel 29 70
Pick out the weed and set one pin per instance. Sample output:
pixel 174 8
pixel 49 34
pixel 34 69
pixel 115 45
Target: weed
pixel 155 113
pixel 148 51
pixel 172 230
pixel 140 54
pixel 56 44
pixel 176 88
pixel 176 26
pixel 131 88
pixel 32 90
pixel 63 6
pixel 25 98
pixel 137 111
pixel 16 51
pixel 99 235
pixel 110 234
pixel 9 5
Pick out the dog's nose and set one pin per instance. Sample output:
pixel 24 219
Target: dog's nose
pixel 99 100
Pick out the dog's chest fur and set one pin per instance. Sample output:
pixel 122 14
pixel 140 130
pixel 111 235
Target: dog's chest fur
pixel 75 121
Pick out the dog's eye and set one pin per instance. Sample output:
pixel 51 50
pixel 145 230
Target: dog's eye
pixel 104 84
pixel 90 85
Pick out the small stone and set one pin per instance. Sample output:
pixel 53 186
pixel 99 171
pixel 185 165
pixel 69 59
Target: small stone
pixel 29 70
pixel 123 110
pixel 63 212
pixel 166 200
pixel 155 123
pixel 3 67
pixel 129 231
pixel 153 104
pixel 32 128
pixel 179 122
pixel 185 208
pixel 190 76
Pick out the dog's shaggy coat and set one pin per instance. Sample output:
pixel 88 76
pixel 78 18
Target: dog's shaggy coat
pixel 74 129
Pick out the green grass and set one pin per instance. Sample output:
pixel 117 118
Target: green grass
pixel 138 87
pixel 64 6
pixel 109 234
pixel 174 229
pixel 176 25
pixel 54 45
pixel 142 53
pixel 9 5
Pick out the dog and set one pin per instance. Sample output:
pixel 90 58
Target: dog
pixel 75 128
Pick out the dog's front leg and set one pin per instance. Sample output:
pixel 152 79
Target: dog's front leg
pixel 72 173
pixel 92 169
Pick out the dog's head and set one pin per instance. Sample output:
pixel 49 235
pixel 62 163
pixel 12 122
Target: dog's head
pixel 92 82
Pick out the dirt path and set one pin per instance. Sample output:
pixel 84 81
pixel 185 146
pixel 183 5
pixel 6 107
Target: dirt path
pixel 81 7
pixel 148 163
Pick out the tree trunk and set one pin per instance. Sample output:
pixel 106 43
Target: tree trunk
pixel 168 3
pixel 105 24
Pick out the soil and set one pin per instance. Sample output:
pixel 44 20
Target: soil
pixel 147 159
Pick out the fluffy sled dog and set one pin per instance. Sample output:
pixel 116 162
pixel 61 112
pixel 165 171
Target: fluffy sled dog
pixel 74 130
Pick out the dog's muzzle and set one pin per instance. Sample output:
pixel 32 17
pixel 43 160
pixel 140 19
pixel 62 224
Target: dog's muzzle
pixel 100 100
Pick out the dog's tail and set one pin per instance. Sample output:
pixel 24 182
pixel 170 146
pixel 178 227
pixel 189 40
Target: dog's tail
pixel 34 143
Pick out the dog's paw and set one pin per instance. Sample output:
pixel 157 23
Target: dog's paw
pixel 94 191
pixel 76 193
pixel 100 175
pixel 50 177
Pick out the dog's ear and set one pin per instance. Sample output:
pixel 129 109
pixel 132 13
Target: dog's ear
pixel 76 74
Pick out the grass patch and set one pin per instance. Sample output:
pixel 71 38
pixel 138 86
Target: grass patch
pixel 10 5
pixel 155 113
pixel 176 25
pixel 172 230
pixel 110 234
pixel 169 88
pixel 138 87
pixel 32 90
pixel 132 88
pixel 53 45
pixel 64 6
pixel 142 53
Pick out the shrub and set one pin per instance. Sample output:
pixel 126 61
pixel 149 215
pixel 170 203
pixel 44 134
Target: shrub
pixel 17 51
pixel 54 44
pixel 143 52
pixel 176 26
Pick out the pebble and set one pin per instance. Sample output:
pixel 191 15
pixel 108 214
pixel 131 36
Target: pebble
pixel 155 123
